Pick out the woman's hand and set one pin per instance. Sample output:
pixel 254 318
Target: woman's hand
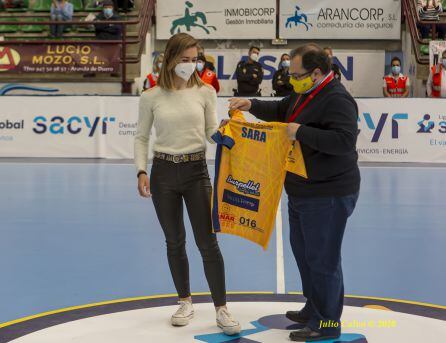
pixel 239 104
pixel 223 123
pixel 144 186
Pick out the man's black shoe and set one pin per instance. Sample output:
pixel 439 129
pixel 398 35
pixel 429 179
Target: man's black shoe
pixel 296 316
pixel 308 335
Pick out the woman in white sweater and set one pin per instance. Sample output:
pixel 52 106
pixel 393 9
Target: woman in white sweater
pixel 183 111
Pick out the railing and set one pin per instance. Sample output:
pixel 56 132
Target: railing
pixel 412 19
pixel 144 20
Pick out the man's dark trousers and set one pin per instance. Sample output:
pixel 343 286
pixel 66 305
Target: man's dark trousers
pixel 317 227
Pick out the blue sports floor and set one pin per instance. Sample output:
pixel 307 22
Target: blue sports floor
pixel 77 232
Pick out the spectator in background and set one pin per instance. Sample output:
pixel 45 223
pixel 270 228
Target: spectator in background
pixel 108 31
pixel 125 5
pixel 152 78
pixel 396 85
pixel 207 75
pixel 249 74
pixel 281 78
pixel 209 65
pixel 61 10
pixel 436 83
pixel 11 4
pixel 430 10
pixel 334 67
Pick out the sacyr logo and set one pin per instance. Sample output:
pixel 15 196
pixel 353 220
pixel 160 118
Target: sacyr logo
pixel 426 125
pixel 378 129
pixel 298 19
pixel 74 125
pixel 190 20
pixel 9 58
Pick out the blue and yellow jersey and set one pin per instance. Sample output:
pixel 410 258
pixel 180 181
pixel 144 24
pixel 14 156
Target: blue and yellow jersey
pixel 250 167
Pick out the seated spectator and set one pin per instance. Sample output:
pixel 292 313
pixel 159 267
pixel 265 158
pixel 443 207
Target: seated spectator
pixel 12 4
pixel 430 10
pixel 61 10
pixel 108 31
pixel 281 78
pixel 207 75
pixel 152 78
pixel 125 5
pixel 396 85
pixel 436 84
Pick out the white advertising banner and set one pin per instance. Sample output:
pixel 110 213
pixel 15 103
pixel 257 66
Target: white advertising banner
pixel 67 126
pixel 391 130
pixel 436 48
pixel 357 79
pixel 340 19
pixel 213 19
pixel 409 130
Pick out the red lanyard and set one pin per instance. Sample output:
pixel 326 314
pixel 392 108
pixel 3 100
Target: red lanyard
pixel 316 91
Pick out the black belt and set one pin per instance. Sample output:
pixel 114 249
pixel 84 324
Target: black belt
pixel 197 156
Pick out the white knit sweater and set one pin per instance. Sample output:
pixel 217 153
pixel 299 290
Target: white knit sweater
pixel 183 120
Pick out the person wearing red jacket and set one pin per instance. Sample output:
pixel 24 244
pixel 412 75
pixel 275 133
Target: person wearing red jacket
pixel 207 75
pixel 152 78
pixel 396 85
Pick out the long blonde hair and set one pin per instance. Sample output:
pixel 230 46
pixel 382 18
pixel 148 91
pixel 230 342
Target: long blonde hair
pixel 176 45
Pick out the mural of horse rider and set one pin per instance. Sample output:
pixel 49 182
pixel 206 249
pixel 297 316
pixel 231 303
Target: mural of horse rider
pixel 190 20
pixel 298 19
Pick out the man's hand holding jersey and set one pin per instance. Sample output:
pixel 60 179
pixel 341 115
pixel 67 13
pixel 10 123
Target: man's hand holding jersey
pixel 243 104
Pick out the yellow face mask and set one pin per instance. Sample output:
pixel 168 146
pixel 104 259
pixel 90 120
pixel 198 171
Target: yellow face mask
pixel 301 86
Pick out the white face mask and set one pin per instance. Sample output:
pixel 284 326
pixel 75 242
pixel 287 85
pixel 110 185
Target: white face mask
pixel 185 70
pixel 254 57
pixel 160 64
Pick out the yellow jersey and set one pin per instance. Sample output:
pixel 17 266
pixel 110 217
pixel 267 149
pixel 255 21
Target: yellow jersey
pixel 250 167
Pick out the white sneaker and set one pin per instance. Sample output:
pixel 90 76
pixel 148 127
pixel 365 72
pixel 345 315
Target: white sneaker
pixel 227 323
pixel 183 314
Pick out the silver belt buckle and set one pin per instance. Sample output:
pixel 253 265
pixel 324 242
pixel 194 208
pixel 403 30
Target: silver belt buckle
pixel 177 158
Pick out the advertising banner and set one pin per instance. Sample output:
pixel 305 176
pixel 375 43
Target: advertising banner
pixel 79 58
pixel 340 19
pixel 390 130
pixel 228 19
pixel 357 79
pixel 409 130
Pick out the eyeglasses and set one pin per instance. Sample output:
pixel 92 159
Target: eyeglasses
pixel 300 76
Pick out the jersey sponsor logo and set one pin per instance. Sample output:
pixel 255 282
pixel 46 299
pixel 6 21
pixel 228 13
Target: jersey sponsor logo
pixel 227 217
pixel 241 201
pixel 249 187
pixel 253 134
